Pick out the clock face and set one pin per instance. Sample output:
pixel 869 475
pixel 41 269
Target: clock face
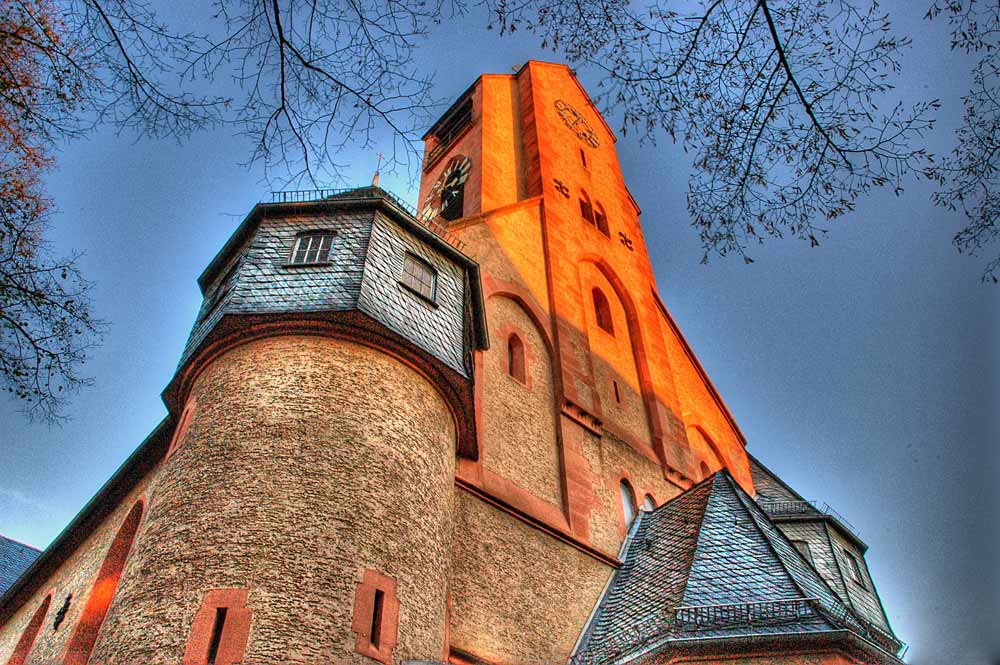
pixel 447 188
pixel 577 123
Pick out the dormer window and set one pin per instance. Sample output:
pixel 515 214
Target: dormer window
pixel 856 574
pixel 312 248
pixel 222 289
pixel 419 277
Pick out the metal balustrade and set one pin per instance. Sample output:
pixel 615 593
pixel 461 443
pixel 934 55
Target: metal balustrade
pixel 779 508
pixel 312 195
pixel 766 613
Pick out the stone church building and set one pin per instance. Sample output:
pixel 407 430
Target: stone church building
pixel 470 433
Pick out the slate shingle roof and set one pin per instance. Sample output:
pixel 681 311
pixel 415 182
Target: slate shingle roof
pixel 710 564
pixel 15 558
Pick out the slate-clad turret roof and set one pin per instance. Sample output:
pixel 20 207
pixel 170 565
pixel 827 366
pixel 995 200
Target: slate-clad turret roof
pixel 711 565
pixel 15 558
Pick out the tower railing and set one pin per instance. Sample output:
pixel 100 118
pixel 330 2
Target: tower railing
pixel 765 613
pixel 313 195
pixel 787 507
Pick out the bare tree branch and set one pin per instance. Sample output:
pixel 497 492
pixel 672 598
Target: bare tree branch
pixel 776 99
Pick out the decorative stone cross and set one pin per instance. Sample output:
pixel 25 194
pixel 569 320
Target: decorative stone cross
pixel 625 240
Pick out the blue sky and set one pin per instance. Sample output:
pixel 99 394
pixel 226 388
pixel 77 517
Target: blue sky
pixel 864 371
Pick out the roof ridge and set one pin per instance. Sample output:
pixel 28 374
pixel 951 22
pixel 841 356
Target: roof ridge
pixel 777 555
pixel 22 544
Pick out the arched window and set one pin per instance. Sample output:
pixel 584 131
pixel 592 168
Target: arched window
pixel 515 358
pixel 705 471
pixel 27 640
pixel 602 311
pixel 81 643
pixel 601 220
pixel 649 503
pixel 586 209
pixel 628 502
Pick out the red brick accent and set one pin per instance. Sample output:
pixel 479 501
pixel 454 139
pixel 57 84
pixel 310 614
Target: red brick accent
pixel 27 640
pixel 364 607
pixel 182 426
pixel 103 591
pixel 235 630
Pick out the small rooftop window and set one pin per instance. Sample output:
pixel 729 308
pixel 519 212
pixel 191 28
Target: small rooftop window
pixel 804 549
pixel 311 248
pixel 420 277
pixel 856 573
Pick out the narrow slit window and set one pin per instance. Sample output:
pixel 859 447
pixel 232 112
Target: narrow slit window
pixel 583 158
pixel 602 311
pixel 213 645
pixel 587 210
pixel 515 358
pixel 376 632
pixel 420 277
pixel 601 220
pixel 312 248
pixel 618 393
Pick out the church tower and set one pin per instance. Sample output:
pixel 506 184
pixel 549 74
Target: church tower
pixel 467 433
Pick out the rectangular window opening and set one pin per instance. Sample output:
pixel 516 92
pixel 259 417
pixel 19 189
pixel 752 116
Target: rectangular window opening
pixel 213 645
pixel 376 632
pixel 856 570
pixel 804 549
pixel 583 158
pixel 618 394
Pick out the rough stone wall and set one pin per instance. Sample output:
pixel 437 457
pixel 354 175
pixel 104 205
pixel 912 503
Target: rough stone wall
pixel 438 327
pixel 699 408
pixel 518 596
pixel 609 460
pixel 75 576
pixel 864 599
pixel 518 435
pixel 612 360
pixel 306 461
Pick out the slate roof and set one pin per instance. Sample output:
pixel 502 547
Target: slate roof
pixel 15 558
pixel 711 564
